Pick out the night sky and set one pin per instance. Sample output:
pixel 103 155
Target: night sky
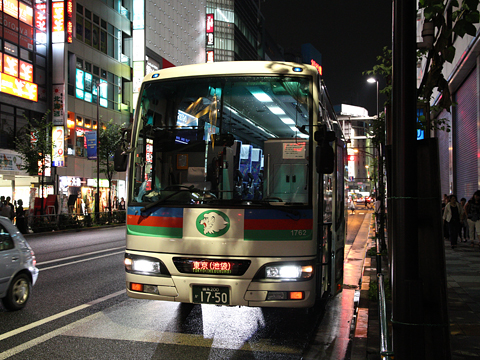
pixel 349 34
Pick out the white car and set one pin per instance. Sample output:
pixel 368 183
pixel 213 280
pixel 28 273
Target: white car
pixel 18 272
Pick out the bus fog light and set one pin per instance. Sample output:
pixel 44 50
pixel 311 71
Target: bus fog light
pixel 276 295
pixel 152 289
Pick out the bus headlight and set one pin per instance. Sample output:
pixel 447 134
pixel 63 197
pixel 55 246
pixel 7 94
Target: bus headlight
pixel 144 265
pixel 288 271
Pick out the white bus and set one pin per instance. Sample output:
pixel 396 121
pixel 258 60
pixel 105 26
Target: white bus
pixel 236 193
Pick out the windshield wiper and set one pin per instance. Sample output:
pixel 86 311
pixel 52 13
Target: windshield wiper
pixel 190 188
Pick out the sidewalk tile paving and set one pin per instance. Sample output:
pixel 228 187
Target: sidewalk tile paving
pixel 463 303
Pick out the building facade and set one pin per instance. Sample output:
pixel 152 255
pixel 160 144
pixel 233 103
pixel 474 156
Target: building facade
pixel 83 59
pixel 460 148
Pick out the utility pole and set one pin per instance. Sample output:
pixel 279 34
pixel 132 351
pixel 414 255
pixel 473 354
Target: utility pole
pixel 408 334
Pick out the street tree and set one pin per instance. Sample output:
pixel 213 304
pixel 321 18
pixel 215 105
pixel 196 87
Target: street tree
pixel 110 139
pixel 34 145
pixel 449 19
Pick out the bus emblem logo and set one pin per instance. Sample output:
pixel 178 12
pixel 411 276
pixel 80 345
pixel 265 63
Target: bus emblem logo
pixel 213 223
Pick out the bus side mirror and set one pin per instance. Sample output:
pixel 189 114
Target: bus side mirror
pixel 120 160
pixel 325 159
pixel 224 139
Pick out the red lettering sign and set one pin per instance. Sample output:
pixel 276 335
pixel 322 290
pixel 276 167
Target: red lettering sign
pixel 319 67
pixel 209 23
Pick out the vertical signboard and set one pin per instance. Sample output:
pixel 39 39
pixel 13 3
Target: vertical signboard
pixel 58 22
pixel 69 21
pixel 58 146
pixel 209 35
pixel 91 139
pixel 58 117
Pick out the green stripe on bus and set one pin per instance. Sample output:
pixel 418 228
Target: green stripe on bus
pixel 155 231
pixel 277 235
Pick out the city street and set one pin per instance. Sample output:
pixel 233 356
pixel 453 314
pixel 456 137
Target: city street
pixel 79 309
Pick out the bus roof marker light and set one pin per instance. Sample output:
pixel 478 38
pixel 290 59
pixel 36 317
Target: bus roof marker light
pixel 155 75
pixel 297 69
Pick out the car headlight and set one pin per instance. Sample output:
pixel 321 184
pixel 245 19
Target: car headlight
pixel 287 271
pixel 144 265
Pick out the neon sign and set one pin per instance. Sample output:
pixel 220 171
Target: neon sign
pixel 319 67
pixel 58 22
pixel 17 87
pixel 70 21
pixel 210 56
pixel 209 23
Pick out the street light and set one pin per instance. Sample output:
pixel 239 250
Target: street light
pixel 381 188
pixel 97 195
pixel 371 81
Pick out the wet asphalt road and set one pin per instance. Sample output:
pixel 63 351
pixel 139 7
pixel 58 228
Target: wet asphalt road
pixel 79 310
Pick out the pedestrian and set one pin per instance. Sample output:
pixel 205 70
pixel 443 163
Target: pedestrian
pixel 11 209
pixel 6 209
pixel 115 203
pixel 20 214
pixel 464 232
pixel 121 205
pixel 472 210
pixel 445 201
pixel 452 215
pixel 351 204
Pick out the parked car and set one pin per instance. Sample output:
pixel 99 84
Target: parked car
pixel 18 272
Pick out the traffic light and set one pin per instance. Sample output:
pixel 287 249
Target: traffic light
pixel 351 157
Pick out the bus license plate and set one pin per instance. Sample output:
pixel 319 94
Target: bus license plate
pixel 217 295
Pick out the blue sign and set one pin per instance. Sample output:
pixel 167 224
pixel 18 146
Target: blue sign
pixel 91 137
pixel 420 133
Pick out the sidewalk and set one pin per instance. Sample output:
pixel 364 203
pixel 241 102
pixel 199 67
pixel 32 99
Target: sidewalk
pixel 463 303
pixel 463 291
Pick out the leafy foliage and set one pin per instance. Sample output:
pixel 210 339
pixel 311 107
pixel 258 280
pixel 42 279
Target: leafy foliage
pixel 447 23
pixel 110 139
pixel 34 143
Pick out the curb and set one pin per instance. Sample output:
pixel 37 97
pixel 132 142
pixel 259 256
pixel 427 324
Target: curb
pixel 366 313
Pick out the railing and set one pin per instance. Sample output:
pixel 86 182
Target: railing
pixel 385 349
pixel 56 222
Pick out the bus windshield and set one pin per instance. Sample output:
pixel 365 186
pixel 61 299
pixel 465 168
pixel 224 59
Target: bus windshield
pixel 223 140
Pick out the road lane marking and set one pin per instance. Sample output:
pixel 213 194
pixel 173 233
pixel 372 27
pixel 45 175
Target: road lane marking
pixel 77 256
pixel 58 316
pixel 80 261
pixel 29 344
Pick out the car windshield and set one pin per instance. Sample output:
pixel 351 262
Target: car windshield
pixel 223 140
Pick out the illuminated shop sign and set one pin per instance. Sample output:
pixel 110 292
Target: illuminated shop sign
pixel 210 56
pixel 58 22
pixel 210 19
pixel 86 87
pixel 25 14
pixel 18 87
pixel 40 18
pixel 10 7
pixel 58 145
pixel 70 21
pixel 210 30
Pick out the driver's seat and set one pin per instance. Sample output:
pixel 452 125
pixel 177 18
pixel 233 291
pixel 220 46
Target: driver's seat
pixel 196 177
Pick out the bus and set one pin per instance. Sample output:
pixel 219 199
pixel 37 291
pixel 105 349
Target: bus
pixel 235 187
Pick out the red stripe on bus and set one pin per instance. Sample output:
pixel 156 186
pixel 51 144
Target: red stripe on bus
pixel 275 224
pixel 159 221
